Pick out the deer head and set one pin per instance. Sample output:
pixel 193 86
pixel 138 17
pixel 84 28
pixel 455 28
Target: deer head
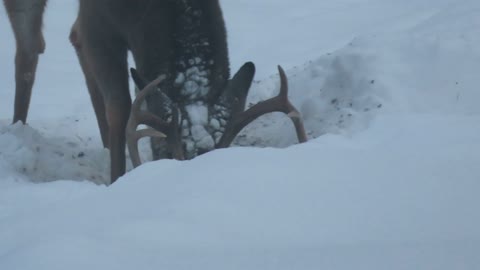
pixel 221 121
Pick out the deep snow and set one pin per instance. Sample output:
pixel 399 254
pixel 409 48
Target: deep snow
pixel 388 90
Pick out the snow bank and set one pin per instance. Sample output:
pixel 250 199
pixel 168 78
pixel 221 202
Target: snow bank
pixel 309 206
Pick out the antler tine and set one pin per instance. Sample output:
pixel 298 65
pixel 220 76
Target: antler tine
pixel 137 117
pixel 283 83
pixel 293 113
pixel 280 103
pixel 143 117
pixel 132 142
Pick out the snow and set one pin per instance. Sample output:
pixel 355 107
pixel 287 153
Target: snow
pixel 388 90
pixel 200 138
pixel 197 81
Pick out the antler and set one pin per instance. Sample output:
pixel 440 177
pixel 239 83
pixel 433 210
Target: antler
pixel 280 103
pixel 138 117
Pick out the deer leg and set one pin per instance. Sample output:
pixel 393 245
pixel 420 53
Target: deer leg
pixel 107 64
pixel 117 116
pixel 26 20
pixel 112 78
pixel 25 68
pixel 97 102
pixel 95 94
pixel 103 55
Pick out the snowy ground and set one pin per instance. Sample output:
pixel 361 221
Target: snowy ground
pixel 390 180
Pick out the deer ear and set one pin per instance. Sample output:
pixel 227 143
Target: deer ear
pixel 242 80
pixel 140 82
pixel 237 88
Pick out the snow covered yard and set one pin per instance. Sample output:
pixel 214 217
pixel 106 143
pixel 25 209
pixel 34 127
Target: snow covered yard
pixel 389 93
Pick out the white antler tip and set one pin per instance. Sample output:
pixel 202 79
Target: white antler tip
pixel 294 114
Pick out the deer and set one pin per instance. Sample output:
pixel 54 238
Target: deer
pixel 182 71
pixel 26 19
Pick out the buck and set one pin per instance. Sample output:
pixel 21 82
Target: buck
pixel 182 68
